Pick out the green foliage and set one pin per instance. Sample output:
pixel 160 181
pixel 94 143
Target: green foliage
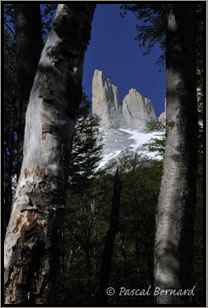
pixel 141 185
pixel 151 25
pixel 156 144
pixel 87 222
pixel 86 225
pixel 86 152
pixel 155 126
pixel 152 22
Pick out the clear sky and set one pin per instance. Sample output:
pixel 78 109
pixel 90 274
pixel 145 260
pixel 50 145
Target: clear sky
pixel 114 51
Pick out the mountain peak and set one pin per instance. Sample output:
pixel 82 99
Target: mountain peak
pixel 132 90
pixel 134 112
pixel 119 120
pixel 105 101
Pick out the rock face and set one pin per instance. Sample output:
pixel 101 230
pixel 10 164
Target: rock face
pixel 105 101
pixel 133 113
pixel 117 117
pixel 137 110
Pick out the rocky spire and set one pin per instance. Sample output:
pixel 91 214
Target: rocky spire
pixel 105 101
pixel 137 110
pixel 133 113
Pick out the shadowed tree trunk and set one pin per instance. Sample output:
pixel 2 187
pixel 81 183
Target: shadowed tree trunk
pixel 109 242
pixel 176 204
pixel 28 49
pixel 32 238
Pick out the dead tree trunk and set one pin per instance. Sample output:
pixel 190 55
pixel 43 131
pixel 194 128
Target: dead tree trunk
pixel 33 233
pixel 29 45
pixel 109 242
pixel 28 49
pixel 176 204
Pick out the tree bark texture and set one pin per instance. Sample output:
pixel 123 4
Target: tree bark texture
pixel 29 45
pixel 109 242
pixel 176 203
pixel 33 233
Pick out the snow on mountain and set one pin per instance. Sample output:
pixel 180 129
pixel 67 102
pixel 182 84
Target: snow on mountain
pixel 122 123
pixel 137 140
pixel 140 139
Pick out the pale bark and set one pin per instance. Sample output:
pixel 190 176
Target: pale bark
pixel 175 212
pixel 29 45
pixel 28 49
pixel 33 233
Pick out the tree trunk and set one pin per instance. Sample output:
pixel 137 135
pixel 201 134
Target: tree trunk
pixel 109 242
pixel 29 45
pixel 32 238
pixel 176 203
pixel 9 172
pixel 95 263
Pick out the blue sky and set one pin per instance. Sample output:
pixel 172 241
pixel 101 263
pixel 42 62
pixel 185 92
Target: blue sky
pixel 113 50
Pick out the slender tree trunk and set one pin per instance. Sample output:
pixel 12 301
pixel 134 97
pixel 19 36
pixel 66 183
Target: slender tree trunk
pixel 109 242
pixel 122 245
pixel 176 204
pixel 9 160
pixel 95 263
pixel 149 260
pixel 88 261
pixel 123 252
pixel 29 45
pixel 32 238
